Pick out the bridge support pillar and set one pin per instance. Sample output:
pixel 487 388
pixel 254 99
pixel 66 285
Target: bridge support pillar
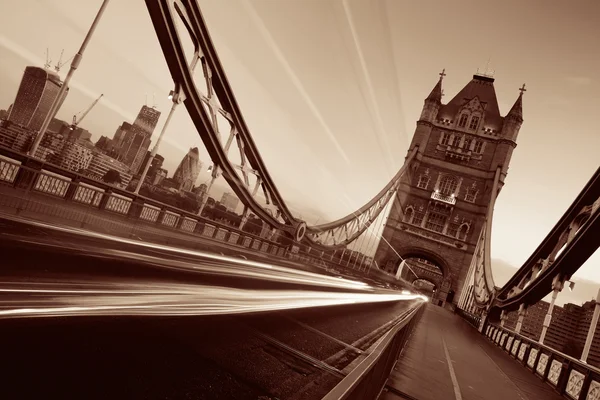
pixel 557 285
pixel 592 330
pixel 522 313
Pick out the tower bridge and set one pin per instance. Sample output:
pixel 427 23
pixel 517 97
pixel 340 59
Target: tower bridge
pixel 437 233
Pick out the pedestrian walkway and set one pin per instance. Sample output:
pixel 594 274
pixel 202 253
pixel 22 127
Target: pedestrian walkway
pixel 447 359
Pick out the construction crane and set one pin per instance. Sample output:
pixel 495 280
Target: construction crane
pixel 48 60
pixel 60 62
pixel 76 121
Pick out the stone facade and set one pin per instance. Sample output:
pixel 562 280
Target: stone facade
pixel 442 203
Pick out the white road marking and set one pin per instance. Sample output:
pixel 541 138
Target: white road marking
pixel 457 393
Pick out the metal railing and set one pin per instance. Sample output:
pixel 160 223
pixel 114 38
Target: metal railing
pixel 45 191
pixel 450 199
pixel 368 379
pixel 472 319
pixel 568 376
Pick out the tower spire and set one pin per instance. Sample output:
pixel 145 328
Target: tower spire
pixel 437 92
pixel 517 108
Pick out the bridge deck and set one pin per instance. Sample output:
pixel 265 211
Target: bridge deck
pixel 446 358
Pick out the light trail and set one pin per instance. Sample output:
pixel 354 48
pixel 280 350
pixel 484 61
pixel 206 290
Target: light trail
pixel 151 298
pixel 202 262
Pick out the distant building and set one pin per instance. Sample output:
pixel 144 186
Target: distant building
pixel 159 177
pixel 133 140
pixel 101 163
pixel 75 157
pixel 188 170
pixel 201 190
pixel 38 89
pixel 230 201
pixel 156 164
pixel 15 137
pixel 567 331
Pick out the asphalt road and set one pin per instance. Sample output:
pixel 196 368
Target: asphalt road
pixel 292 354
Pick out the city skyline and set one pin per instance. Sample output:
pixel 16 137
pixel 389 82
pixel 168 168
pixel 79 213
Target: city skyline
pixel 349 154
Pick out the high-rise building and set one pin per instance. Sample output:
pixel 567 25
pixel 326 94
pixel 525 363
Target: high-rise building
pixel 441 204
pixel 37 91
pixel 133 140
pixel 188 170
pixel 230 201
pixel 568 328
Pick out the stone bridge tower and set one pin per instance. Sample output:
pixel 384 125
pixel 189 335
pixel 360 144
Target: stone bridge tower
pixel 440 207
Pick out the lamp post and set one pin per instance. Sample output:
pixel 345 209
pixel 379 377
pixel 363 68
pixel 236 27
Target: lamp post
pixel 74 64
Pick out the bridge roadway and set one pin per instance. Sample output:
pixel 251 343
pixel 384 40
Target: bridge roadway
pixel 292 354
pixel 446 358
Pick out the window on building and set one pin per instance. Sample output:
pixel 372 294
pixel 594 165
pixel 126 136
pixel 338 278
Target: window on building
pixel 436 221
pixel 454 140
pixel 463 231
pixel 452 229
pixel 474 122
pixel 423 181
pixel 478 148
pixel 471 195
pixel 444 138
pixel 467 143
pixel 448 185
pixel 462 122
pixel 408 215
pixel 418 216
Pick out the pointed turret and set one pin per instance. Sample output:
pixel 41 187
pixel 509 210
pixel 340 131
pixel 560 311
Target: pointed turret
pixel 514 118
pixel 433 102
pixel 517 109
pixel 436 93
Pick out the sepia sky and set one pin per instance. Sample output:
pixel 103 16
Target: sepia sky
pixel 331 89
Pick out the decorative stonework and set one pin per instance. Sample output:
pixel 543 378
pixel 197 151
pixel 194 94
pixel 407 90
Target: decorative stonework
pixel 594 392
pixel 522 351
pixel 542 364
pixel 515 347
pixel 532 357
pixel 554 373
pixel 509 343
pixel 574 385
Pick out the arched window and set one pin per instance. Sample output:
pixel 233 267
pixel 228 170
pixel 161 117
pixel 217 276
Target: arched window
pixel 448 185
pixel 467 143
pixel 462 122
pixel 454 140
pixel 444 138
pixel 408 215
pixel 463 231
pixel 478 148
pixel 474 122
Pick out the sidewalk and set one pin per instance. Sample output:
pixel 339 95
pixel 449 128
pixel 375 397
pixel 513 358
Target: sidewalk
pixel 447 359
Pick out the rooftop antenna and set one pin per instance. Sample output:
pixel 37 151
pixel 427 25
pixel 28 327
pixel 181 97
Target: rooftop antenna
pixel 487 73
pixel 154 100
pixel 146 102
pixel 48 60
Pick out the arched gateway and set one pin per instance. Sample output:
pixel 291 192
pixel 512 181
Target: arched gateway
pixel 440 207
